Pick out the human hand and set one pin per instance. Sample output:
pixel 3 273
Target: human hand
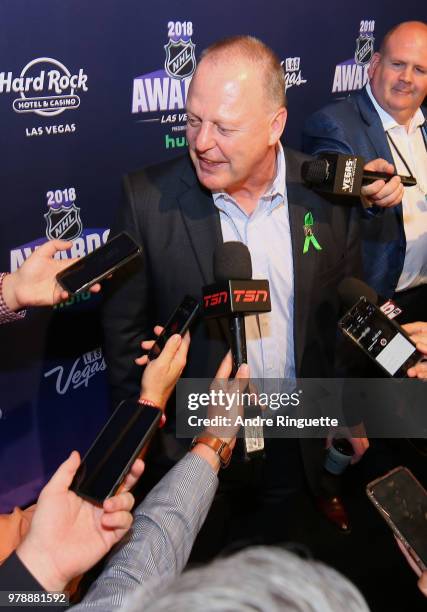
pixel 34 283
pixel 418 333
pixel 68 534
pixel 161 374
pixel 230 408
pixel 380 193
pixel 356 435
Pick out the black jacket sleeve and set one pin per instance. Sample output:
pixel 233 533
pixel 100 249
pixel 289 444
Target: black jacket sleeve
pixel 14 577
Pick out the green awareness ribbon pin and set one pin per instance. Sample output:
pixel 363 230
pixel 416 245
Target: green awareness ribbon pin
pixel 308 232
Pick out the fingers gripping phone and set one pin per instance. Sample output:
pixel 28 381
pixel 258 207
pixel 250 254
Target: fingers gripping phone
pixel 178 323
pixel 103 261
pixel 402 502
pixel 383 340
pixel 123 437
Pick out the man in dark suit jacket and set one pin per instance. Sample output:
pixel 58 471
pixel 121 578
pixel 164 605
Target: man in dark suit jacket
pixel 236 116
pixel 367 123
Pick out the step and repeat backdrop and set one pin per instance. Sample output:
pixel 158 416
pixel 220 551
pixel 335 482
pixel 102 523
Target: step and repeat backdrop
pixel 88 92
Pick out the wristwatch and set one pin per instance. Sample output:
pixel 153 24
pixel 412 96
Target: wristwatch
pixel 221 448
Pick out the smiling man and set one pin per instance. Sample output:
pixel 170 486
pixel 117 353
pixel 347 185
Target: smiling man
pixel 385 120
pixel 237 183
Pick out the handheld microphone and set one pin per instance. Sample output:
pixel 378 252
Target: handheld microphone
pixel 234 295
pixel 343 175
pixel 371 329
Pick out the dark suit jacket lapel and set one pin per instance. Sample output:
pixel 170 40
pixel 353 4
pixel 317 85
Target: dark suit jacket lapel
pixel 201 219
pixel 304 265
pixel 203 224
pixel 374 127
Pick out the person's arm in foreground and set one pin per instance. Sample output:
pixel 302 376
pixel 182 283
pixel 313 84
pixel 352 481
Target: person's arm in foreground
pixel 68 535
pixel 166 522
pixel 34 283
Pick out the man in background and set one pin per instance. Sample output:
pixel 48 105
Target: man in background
pixel 385 120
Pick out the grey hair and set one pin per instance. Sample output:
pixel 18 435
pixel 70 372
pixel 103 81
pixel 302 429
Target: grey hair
pixel 257 52
pixel 261 579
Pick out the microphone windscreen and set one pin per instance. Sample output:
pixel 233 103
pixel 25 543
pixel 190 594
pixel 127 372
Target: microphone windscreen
pixel 315 171
pixel 232 261
pixel 351 289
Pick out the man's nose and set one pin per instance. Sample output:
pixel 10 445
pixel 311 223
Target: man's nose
pixel 406 74
pixel 205 138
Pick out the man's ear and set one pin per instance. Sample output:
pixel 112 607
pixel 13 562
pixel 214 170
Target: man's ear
pixel 278 122
pixel 375 60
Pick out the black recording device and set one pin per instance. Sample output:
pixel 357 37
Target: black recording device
pixel 402 502
pixel 121 440
pixel 178 323
pixel 380 338
pixel 344 175
pixel 102 262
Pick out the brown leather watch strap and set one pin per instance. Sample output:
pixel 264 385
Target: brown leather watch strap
pixel 221 448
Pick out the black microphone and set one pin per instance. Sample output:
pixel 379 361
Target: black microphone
pixel 351 289
pixel 235 294
pixel 343 175
pixel 368 327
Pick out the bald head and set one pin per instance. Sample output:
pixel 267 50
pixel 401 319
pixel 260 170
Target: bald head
pixel 235 118
pixel 248 50
pixel 398 72
pixel 406 28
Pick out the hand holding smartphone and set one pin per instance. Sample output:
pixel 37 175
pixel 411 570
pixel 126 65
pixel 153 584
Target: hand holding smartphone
pixel 402 502
pixel 124 436
pixel 178 323
pixel 380 338
pixel 102 262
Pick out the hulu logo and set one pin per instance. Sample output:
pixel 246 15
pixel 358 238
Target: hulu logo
pixel 178 142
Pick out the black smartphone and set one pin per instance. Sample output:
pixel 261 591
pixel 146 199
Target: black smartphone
pixel 402 502
pixel 121 440
pixel 383 340
pixel 178 323
pixel 103 261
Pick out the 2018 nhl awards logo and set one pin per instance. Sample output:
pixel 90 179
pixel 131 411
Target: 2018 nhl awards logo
pixel 180 60
pixel 352 74
pixel 63 221
pixel 162 94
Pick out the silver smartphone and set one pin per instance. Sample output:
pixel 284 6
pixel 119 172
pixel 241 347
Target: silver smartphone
pixel 402 502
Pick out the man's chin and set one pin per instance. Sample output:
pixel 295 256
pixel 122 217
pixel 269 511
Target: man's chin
pixel 210 180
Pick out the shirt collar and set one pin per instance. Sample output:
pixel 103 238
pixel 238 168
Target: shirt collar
pixel 277 188
pixel 388 121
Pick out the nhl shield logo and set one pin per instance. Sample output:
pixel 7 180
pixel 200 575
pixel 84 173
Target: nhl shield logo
pixel 63 223
pixel 180 62
pixel 364 50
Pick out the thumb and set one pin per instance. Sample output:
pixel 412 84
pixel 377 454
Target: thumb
pixel 170 349
pixel 380 165
pixel 243 371
pixel 52 246
pixel 63 477
pixel 225 367
pixel 422 583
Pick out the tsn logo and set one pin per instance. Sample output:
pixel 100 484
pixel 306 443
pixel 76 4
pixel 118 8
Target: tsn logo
pixel 239 295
